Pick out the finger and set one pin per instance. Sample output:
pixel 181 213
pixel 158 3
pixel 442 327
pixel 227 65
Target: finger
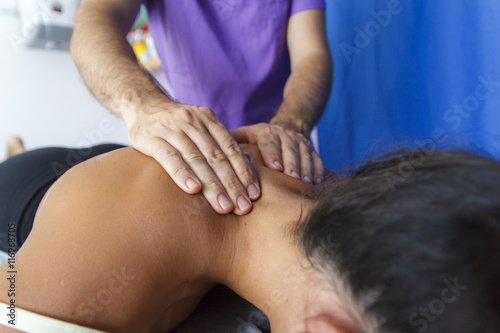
pixel 173 163
pixel 306 163
pixel 319 168
pixel 211 186
pixel 290 153
pixel 236 156
pixel 270 148
pixel 268 143
pixel 227 161
pixel 240 135
pixel 233 152
pixel 242 167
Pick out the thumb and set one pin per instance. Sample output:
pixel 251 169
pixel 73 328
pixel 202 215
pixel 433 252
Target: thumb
pixel 240 135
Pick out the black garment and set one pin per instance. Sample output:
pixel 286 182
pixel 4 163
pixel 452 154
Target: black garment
pixel 24 180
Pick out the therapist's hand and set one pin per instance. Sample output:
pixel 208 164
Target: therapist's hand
pixel 284 149
pixel 198 153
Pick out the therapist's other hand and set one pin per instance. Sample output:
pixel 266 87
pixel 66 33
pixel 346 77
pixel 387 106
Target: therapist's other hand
pixel 198 153
pixel 284 149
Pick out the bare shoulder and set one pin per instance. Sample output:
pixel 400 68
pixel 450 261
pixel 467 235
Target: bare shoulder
pixel 118 185
pixel 108 175
pixel 116 216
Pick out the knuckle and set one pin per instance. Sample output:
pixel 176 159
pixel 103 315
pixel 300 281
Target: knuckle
pixel 194 158
pixel 213 185
pixel 278 131
pixel 180 172
pixel 160 125
pixel 306 159
pixel 232 149
pixel 306 171
pixel 233 187
pixel 209 114
pixel 306 142
pixel 292 149
pixel 270 134
pixel 167 154
pixel 247 174
pixel 215 156
pixel 267 143
pixel 259 126
pixel 306 150
pixel 186 115
pixel 150 131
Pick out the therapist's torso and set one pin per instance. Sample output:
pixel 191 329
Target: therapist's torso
pixel 228 55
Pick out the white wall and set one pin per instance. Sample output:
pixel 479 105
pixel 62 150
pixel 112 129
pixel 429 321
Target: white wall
pixel 42 97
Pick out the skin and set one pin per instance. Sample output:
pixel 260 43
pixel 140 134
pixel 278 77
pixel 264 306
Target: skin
pixel 306 92
pixel 15 146
pixel 189 141
pixel 118 215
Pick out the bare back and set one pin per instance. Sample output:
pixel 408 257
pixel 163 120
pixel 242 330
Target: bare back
pixel 109 249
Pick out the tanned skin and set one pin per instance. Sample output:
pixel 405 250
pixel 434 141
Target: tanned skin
pixel 117 246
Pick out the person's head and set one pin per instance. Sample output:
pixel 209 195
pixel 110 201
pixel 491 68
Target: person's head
pixel 413 242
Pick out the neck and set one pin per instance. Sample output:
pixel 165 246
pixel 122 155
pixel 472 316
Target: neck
pixel 266 265
pixel 257 256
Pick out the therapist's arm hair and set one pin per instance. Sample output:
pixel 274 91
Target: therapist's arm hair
pixel 190 142
pixel 308 87
pixel 106 60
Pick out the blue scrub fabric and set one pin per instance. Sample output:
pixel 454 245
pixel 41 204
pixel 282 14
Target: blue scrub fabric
pixel 411 71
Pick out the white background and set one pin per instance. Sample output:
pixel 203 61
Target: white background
pixel 42 97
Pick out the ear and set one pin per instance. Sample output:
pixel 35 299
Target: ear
pixel 329 324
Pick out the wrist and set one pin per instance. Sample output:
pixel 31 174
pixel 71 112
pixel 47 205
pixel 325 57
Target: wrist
pixel 129 111
pixel 153 103
pixel 298 125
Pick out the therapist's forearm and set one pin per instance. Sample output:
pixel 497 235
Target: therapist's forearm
pixel 108 65
pixel 306 94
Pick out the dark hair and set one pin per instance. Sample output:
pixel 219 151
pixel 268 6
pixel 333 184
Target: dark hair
pixel 416 238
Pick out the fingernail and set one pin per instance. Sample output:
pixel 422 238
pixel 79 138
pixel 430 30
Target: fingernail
pixel 295 174
pixel 278 164
pixel 253 192
pixel 243 203
pixel 224 202
pixel 191 183
pixel 319 180
pixel 307 179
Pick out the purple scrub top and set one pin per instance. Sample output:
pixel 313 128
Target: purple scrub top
pixel 228 55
